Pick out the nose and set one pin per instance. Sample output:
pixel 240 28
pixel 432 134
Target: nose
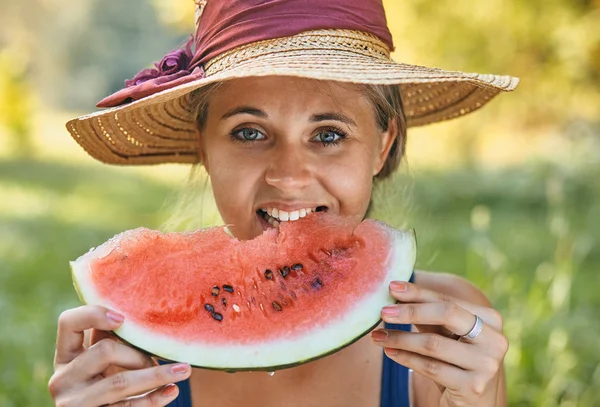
pixel 288 169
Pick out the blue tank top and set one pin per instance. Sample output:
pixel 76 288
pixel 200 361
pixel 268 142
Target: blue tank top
pixel 394 381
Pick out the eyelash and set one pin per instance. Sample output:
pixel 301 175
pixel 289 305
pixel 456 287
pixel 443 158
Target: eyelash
pixel 333 129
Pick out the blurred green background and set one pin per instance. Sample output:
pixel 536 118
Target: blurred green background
pixel 507 197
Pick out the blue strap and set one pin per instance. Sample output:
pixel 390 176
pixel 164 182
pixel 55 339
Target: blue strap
pixel 185 395
pixel 395 377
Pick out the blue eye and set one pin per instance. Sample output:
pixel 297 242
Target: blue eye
pixel 330 137
pixel 246 134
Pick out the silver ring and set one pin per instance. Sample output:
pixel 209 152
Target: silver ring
pixel 476 330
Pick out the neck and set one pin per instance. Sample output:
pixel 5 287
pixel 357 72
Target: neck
pixel 336 374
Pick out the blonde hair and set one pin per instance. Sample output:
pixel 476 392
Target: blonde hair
pixel 387 104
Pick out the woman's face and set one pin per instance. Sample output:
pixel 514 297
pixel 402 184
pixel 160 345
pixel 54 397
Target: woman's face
pixel 287 146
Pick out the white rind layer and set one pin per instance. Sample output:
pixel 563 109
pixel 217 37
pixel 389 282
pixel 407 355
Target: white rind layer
pixel 364 315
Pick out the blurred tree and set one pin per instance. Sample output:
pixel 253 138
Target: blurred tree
pixel 15 104
pixel 74 53
pixel 554 46
pixel 16 95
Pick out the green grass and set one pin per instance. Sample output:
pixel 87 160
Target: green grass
pixel 52 214
pixel 527 236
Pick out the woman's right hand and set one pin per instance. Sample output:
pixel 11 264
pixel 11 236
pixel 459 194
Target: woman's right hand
pixel 107 372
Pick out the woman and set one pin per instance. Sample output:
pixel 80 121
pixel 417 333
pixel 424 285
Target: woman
pixel 290 106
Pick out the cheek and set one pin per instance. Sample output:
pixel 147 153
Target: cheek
pixel 351 184
pixel 234 182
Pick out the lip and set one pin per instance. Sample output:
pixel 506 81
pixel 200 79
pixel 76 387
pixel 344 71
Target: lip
pixel 289 207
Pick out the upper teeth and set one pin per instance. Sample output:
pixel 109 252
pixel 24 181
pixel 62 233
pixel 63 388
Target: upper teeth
pixel 283 216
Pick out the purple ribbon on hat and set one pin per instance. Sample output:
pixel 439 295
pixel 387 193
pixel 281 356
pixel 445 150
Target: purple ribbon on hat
pixel 226 25
pixel 173 70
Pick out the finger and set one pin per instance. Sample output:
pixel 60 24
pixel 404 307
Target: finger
pixel 158 397
pixel 134 382
pixel 407 292
pixel 104 354
pixel 448 315
pixel 96 335
pixel 72 324
pixel 440 372
pixel 435 346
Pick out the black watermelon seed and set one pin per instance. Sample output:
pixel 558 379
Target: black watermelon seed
pixel 297 267
pixel 209 307
pixel 284 271
pixel 268 274
pixel 317 284
pixel 215 291
pixel 216 316
pixel 276 306
pixel 228 288
pixel 224 301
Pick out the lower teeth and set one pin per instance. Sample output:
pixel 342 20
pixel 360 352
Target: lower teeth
pixel 271 220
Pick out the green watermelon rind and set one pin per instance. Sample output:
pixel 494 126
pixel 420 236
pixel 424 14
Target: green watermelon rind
pixel 398 237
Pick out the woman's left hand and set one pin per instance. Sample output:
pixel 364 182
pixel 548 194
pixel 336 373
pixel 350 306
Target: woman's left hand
pixel 466 370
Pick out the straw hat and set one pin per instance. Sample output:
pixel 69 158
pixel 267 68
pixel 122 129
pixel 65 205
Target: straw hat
pixel 151 120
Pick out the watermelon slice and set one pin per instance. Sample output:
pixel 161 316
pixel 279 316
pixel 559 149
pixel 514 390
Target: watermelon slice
pixel 289 296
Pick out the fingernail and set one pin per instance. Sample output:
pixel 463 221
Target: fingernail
pixel 391 351
pixel 398 286
pixel 169 390
pixel 179 368
pixel 379 336
pixel 390 310
pixel 115 317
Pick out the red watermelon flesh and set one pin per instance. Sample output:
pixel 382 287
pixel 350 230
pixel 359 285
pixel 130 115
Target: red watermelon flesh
pixel 290 295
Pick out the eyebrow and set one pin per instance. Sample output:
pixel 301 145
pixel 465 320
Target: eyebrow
pixel 332 116
pixel 245 110
pixel 315 118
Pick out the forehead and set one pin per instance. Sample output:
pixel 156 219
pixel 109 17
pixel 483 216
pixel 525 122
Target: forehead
pixel 291 95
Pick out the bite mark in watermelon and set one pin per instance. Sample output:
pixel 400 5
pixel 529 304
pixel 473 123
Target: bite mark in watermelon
pixel 289 296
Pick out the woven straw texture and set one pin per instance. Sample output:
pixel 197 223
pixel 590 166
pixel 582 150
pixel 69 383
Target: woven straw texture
pixel 161 128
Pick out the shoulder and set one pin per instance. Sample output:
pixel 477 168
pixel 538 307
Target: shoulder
pixel 452 285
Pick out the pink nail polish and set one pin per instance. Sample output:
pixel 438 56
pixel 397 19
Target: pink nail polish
pixel 391 351
pixel 379 336
pixel 390 310
pixel 179 368
pixel 398 286
pixel 169 390
pixel 115 317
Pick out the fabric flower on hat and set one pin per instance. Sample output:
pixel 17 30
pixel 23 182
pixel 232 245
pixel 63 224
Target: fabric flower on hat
pixel 173 70
pixel 174 63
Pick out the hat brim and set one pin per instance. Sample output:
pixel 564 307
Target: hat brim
pixel 160 128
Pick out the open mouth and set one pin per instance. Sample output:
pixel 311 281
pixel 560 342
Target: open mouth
pixel 273 216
